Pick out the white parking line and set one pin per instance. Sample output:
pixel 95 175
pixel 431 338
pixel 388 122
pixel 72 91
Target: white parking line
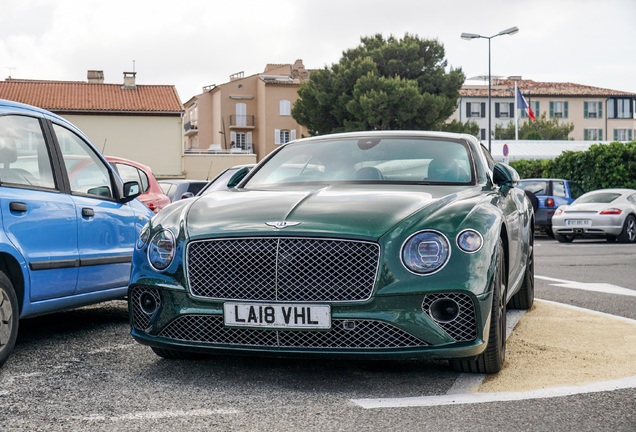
pixel 459 399
pixel 597 287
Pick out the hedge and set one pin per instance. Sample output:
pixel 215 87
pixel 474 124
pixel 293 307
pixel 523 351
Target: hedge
pixel 602 166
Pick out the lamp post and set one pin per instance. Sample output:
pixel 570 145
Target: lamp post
pixel 469 36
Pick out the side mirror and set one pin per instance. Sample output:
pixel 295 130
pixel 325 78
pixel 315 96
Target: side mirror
pixel 131 190
pixel 237 177
pixel 505 176
pixel 187 195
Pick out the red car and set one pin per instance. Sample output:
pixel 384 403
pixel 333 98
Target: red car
pixel 152 195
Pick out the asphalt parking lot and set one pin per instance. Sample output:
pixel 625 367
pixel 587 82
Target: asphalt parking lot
pixel 80 370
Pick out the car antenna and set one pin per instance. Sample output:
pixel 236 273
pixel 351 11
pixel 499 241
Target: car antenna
pixel 209 169
pixel 104 146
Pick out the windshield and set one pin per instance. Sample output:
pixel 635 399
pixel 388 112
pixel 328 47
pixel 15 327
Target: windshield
pixel 384 160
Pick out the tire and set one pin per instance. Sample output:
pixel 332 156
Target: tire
pixel 628 235
pixel 524 298
pixel 492 359
pixel 177 355
pixel 9 318
pixel 564 238
pixel 549 232
pixel 610 238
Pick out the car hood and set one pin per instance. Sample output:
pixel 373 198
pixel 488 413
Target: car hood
pixel 360 211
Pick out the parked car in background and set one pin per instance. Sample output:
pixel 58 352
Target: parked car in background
pixel 152 195
pixel 608 213
pixel 382 244
pixel 177 189
pixel 550 193
pixel 69 223
pixel 227 179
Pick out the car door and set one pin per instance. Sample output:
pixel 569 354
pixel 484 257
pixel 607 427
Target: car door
pixel 106 227
pixel 38 219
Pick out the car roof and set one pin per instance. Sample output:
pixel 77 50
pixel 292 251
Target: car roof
pixel 8 106
pixel 391 133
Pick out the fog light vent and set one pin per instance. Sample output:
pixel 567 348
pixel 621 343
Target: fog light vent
pixel 454 313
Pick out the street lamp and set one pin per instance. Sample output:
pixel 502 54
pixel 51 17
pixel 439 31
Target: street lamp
pixel 469 36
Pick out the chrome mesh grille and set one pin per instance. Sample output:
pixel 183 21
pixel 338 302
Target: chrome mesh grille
pixel 360 334
pixel 282 269
pixel 140 319
pixel 464 327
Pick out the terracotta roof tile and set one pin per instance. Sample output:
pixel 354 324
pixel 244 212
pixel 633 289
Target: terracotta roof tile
pixel 505 87
pixel 77 96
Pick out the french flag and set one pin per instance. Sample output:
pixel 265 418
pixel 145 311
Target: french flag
pixel 522 103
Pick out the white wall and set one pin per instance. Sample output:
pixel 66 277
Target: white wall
pixel 155 141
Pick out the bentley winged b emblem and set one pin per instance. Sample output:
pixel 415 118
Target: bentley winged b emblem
pixel 281 224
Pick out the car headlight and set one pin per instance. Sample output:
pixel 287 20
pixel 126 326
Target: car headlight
pixel 470 241
pixel 161 250
pixel 143 238
pixel 425 252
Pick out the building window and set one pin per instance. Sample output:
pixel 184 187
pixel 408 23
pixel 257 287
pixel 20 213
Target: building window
pixel 592 134
pixel 592 110
pixel 282 136
pixel 535 109
pixel 241 114
pixel 620 108
pixel 285 107
pixel 504 110
pixel 475 109
pixel 559 110
pixel 622 135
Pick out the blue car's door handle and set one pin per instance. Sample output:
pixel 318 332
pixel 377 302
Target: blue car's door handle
pixel 18 207
pixel 88 212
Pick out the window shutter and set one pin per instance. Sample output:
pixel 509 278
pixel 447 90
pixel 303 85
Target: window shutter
pixel 292 134
pixel 600 110
pixel 248 138
pixel 551 109
pixel 276 136
pixel 511 109
pixel 536 111
pixel 565 110
pixel 600 134
pixel 483 109
pixel 233 138
pixel 497 110
pixel 467 109
pixel 615 134
pixel 629 134
pixel 585 113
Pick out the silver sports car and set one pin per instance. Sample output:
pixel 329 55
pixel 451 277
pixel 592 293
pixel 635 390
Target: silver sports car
pixel 609 213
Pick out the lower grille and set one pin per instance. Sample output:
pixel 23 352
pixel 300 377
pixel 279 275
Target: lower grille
pixel 464 326
pixel 357 334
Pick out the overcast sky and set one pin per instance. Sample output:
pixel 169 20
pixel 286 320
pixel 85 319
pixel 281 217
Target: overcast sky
pixel 195 43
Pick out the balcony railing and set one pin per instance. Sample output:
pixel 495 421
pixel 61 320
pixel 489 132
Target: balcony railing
pixel 190 128
pixel 217 149
pixel 242 121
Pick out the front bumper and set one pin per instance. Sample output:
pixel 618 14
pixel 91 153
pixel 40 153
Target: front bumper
pixel 391 327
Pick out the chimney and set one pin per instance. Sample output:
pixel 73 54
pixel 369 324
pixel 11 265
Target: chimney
pixel 129 80
pixel 95 76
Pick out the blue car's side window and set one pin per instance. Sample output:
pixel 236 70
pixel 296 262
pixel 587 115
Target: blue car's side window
pixel 24 158
pixel 86 172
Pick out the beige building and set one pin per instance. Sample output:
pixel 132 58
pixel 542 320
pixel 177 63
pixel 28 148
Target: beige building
pixel 247 115
pixel 126 119
pixel 598 114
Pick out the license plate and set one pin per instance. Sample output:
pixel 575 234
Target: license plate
pixel 578 222
pixel 277 315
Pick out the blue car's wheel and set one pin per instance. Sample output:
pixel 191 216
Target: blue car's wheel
pixel 9 318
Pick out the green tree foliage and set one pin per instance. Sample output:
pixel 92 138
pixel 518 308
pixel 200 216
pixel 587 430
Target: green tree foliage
pixel 540 129
pixel 601 166
pixel 381 84
pixel 470 127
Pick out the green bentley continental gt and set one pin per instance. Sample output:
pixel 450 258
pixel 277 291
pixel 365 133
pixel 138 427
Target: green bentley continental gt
pixel 376 245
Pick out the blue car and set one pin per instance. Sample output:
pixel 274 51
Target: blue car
pixel 550 193
pixel 69 223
